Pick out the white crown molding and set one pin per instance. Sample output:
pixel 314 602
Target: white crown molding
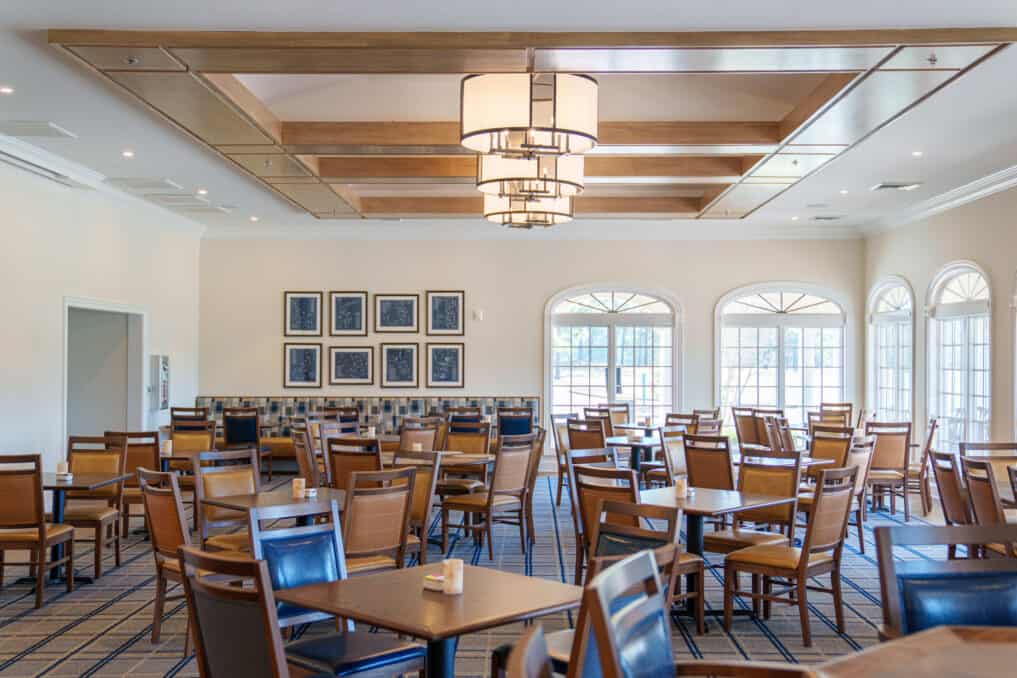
pixel 944 202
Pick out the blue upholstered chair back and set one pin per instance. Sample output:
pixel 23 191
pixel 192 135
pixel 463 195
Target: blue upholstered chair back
pixel 240 430
pixel 956 599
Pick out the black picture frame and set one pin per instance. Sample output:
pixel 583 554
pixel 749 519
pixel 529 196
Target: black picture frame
pixel 288 365
pixel 294 315
pixel 391 316
pixel 343 317
pixel 439 307
pixel 334 351
pixel 433 362
pixel 387 366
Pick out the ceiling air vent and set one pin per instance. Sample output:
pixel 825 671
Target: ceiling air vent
pixel 144 184
pixel 827 217
pixel 177 200
pixel 34 128
pixel 896 186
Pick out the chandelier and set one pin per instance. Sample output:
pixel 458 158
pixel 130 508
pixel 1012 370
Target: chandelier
pixel 517 212
pixel 525 114
pixel 540 176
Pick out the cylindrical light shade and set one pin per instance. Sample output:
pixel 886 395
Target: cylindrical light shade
pixel 526 114
pixel 542 176
pixel 523 213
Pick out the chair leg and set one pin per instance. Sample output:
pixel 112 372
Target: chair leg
pixel 907 503
pixel 490 536
pixel 422 556
pixel 1 568
pixel 803 612
pixel 158 606
pixel 767 590
pixel 561 485
pixel 40 574
pixel 444 530
pixel 730 588
pixel 838 600
pixel 522 528
pixel 755 592
pixel 530 526
pixel 99 539
pixel 951 552
pixel 115 528
pixel 579 563
pixel 861 531
pixel 125 523
pixel 893 501
pixel 701 601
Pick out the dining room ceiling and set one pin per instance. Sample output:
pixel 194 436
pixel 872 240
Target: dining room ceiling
pixel 728 130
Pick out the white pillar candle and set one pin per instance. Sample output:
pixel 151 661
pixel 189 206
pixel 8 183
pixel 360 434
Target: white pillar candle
pixel 62 467
pixel 452 569
pixel 167 448
pixel 299 485
pixel 371 431
pixel 681 486
pixel 416 447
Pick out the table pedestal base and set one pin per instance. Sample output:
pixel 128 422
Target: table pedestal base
pixel 441 657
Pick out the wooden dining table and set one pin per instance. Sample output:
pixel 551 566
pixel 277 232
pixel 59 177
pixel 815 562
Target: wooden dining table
pixel 84 482
pixel 639 447
pixel 1000 463
pixel 940 652
pixel 278 497
pixel 396 600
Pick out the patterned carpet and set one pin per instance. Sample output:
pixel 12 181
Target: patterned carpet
pixel 103 629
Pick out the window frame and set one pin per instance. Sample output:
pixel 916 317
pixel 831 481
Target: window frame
pixel 611 321
pixel 934 312
pixel 872 339
pixel 781 321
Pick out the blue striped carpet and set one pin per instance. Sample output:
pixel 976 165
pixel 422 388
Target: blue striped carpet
pixel 103 629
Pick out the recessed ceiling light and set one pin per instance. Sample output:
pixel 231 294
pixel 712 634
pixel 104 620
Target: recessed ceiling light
pixel 843 191
pixel 794 218
pixel 254 218
pixel 127 153
pixel 202 191
pixel 6 89
pixel 917 154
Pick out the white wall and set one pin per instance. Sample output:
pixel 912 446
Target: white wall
pixel 96 371
pixel 61 242
pixel 243 283
pixel 984 232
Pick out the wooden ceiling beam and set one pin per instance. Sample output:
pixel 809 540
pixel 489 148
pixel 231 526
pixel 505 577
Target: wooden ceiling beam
pixel 524 40
pixel 382 205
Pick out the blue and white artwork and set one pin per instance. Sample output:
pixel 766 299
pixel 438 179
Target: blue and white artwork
pixel 302 314
pixel 351 365
pixel 396 313
pixel 399 365
pixel 445 365
pixel 349 314
pixel 301 365
pixel 445 313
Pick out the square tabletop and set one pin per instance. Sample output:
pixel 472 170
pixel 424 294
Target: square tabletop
pixel 457 459
pixel 281 497
pixel 82 481
pixel 625 441
pixel 635 426
pixel 969 651
pixel 707 502
pixel 396 600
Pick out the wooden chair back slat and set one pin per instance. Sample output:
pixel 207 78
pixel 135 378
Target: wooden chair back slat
pixel 21 503
pixel 708 462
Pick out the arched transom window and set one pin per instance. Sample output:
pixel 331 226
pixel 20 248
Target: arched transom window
pixel 960 375
pixel 781 347
pixel 891 323
pixel 613 346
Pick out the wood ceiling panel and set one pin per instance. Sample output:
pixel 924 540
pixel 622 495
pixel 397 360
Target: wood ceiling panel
pixel 253 149
pixel 129 58
pixel 622 60
pixel 270 165
pixel 386 168
pixel 316 198
pixel 186 101
pixel 420 206
pixel 691 133
pixel 287 60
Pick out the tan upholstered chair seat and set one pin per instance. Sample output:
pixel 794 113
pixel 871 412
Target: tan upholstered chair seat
pixel 559 645
pixel 173 564
pixel 915 471
pixel 133 493
pixel 773 555
pixel 479 500
pixel 885 475
pixel 725 540
pixel 280 447
pixel 369 563
pixel 237 541
pixel 89 510
pixel 412 541
pixel 459 486
pixel 31 536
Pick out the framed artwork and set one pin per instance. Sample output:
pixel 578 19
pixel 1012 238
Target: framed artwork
pixel 445 365
pixel 348 311
pixel 302 314
pixel 397 313
pixel 399 366
pixel 351 365
pixel 445 313
pixel 301 365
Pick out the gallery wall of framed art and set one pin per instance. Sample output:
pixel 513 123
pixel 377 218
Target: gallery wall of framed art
pixel 374 358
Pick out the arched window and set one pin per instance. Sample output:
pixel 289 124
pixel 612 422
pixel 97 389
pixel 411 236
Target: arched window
pixel 891 332
pixel 612 346
pixel 781 345
pixel 960 339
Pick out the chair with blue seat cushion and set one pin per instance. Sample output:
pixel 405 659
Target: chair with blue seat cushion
pixel 301 555
pixel 463 415
pixel 228 618
pixel 920 594
pixel 515 421
pixel 241 427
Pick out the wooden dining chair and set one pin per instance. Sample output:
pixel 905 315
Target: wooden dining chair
pixel 585 434
pixel 468 437
pixel 860 457
pixel 350 455
pixel 845 410
pixel 953 498
pixel 306 456
pixel 322 430
pixel 241 429
pixel 560 438
pixel 425 435
pixel 759 478
pixel 672 463
pixel 342 414
pixel 890 462
pixel 237 474
pixel 983 495
pixel 376 519
pixel 999 454
pixel 428 468
pixel 745 426
pixel 831 443
pixel 689 421
pixel 918 594
pixel 504 501
pixel 463 414
pixel 97 510
pixel 434 421
pixel 760 414
pixel 709 427
pixel 23 525
pixel 536 442
pixel 621 413
pixel 529 658
pixel 594 485
pixel 820 554
pixel 602 415
pixel 709 463
pixel 190 436
pixel 515 421
pixel 834 419
pixel 227 617
pixel 918 469
pixel 199 413
pixel 142 452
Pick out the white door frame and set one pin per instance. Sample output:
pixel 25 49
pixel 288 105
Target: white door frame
pixel 137 388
